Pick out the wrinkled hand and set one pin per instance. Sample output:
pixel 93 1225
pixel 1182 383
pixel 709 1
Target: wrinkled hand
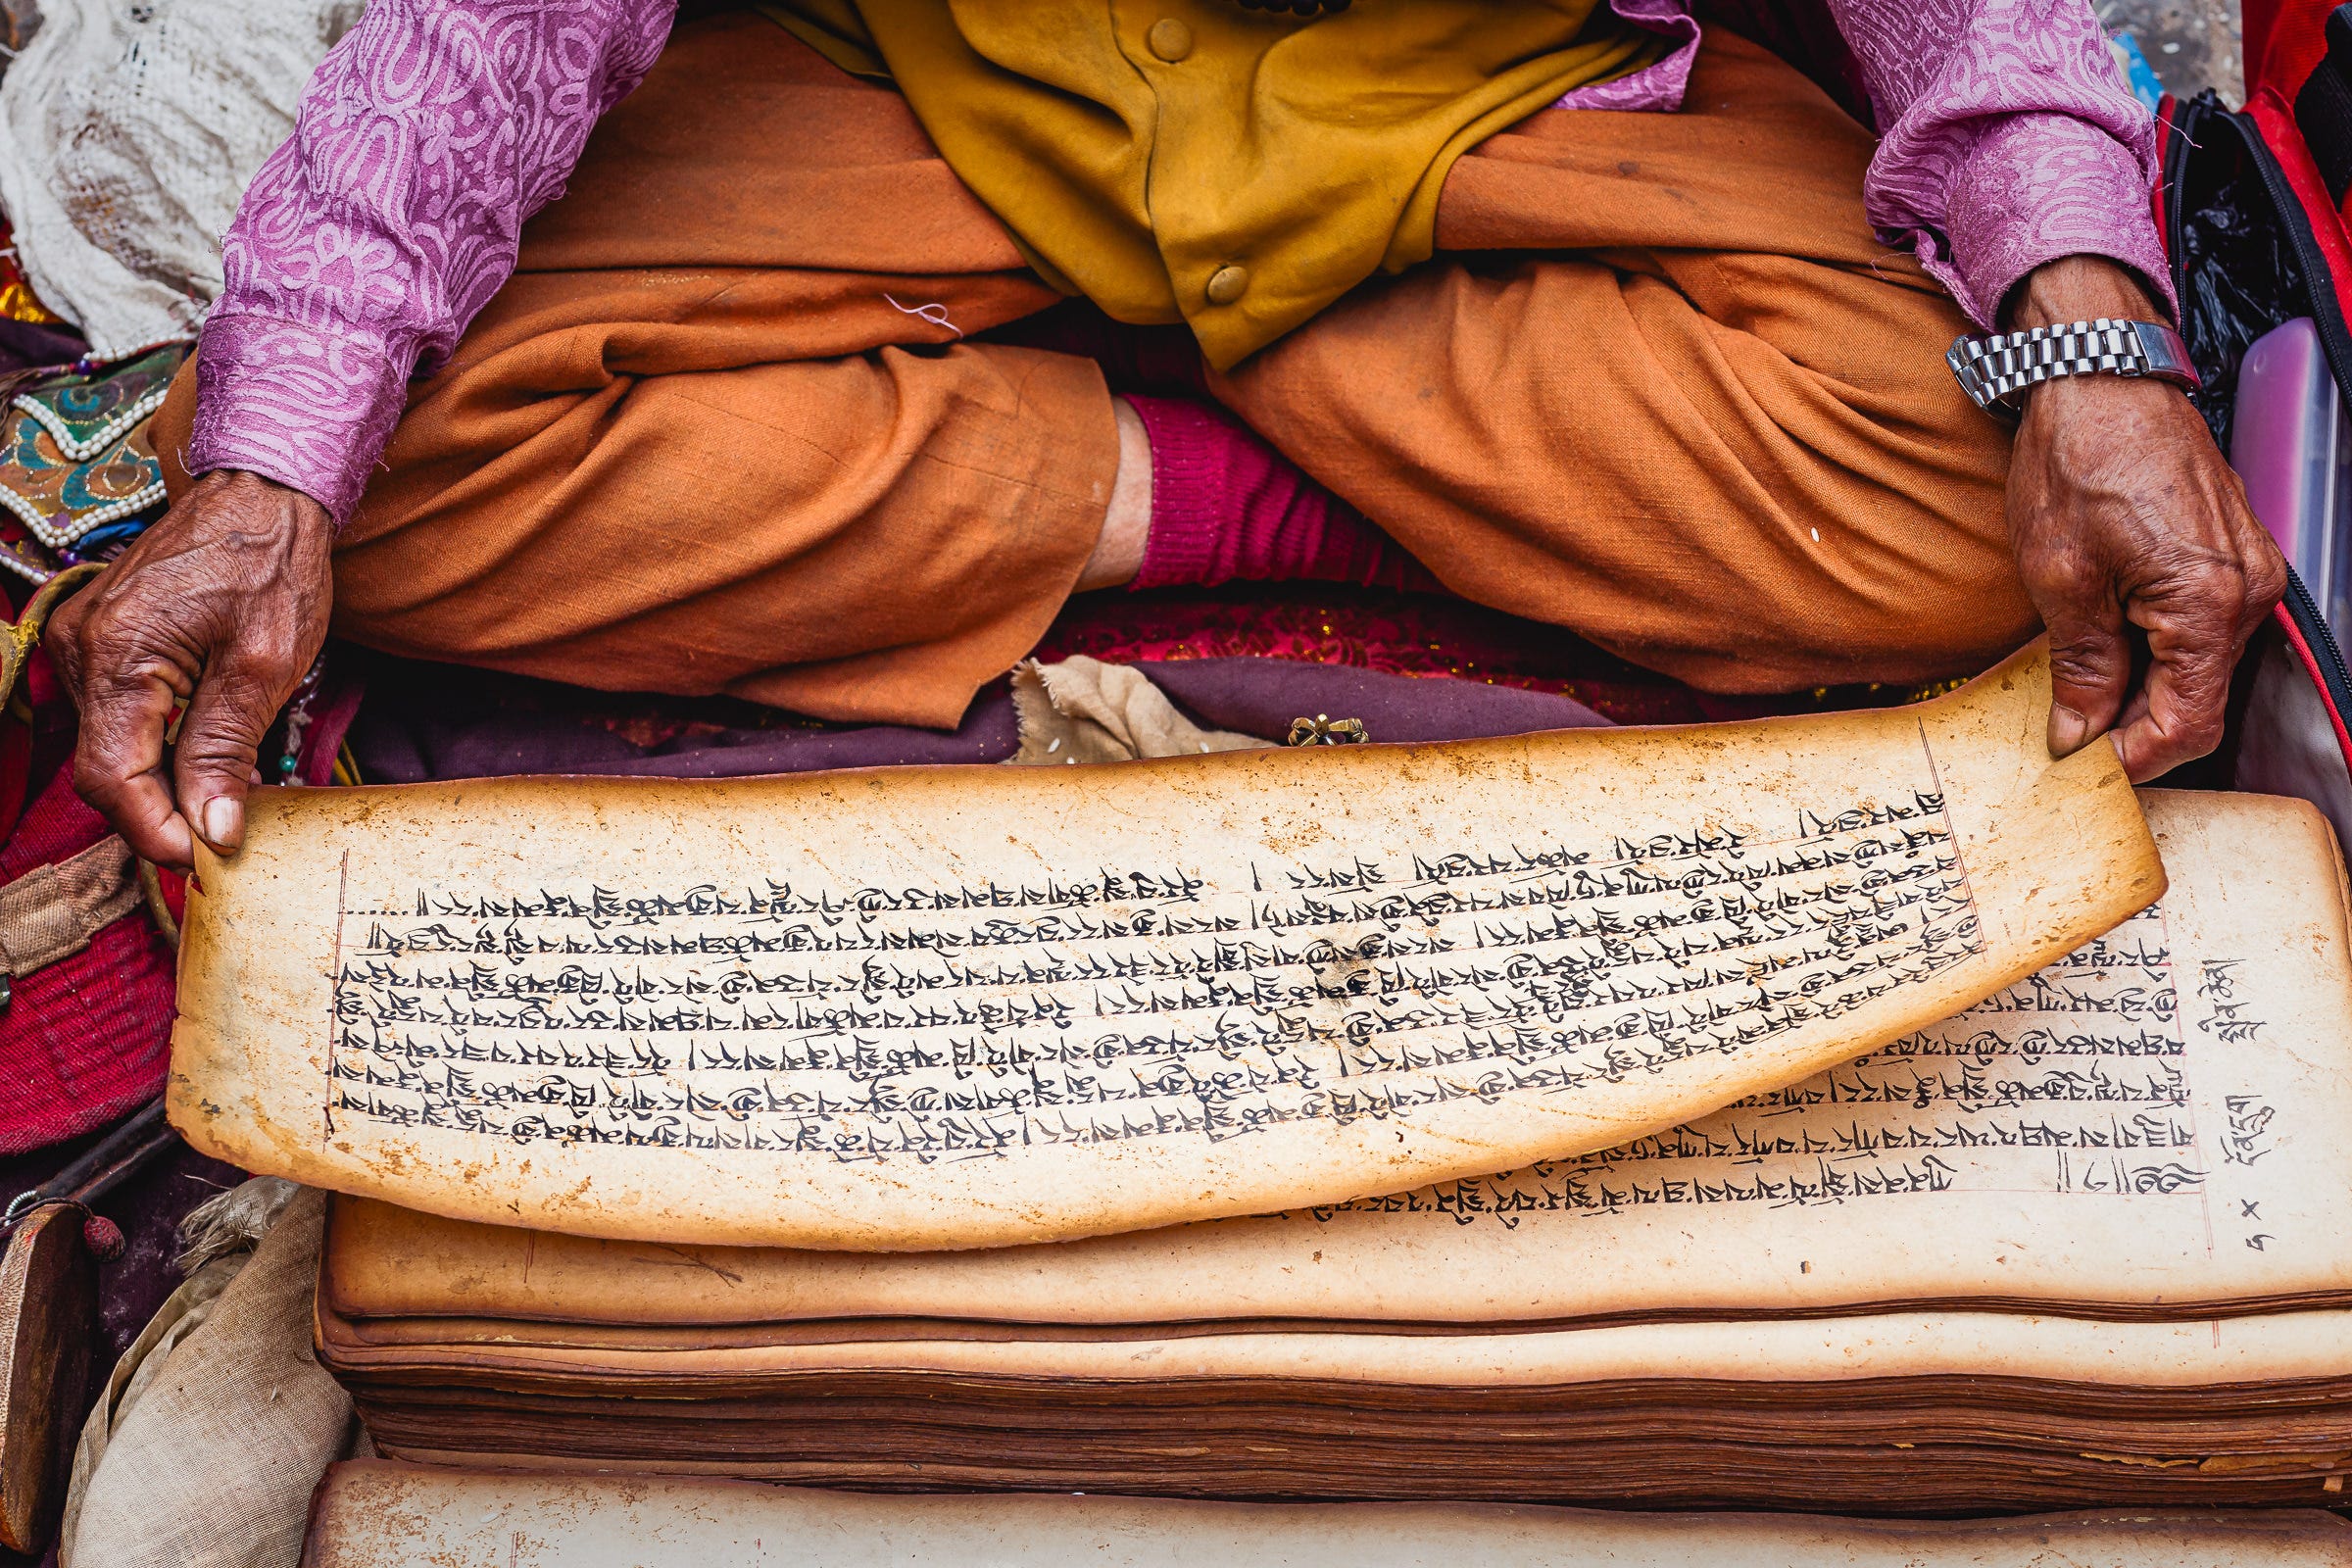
pixel 222 605
pixel 2124 515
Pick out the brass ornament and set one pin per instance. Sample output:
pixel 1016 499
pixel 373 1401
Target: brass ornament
pixel 1324 730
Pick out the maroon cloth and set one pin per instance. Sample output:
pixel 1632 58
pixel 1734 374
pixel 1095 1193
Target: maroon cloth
pixel 1227 507
pixel 83 1040
pixel 1406 634
pixel 25 346
pixel 435 722
pixel 1261 697
pixel 1134 358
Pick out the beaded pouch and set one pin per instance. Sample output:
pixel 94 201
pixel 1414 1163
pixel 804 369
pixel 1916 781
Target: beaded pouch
pixel 76 459
pixel 89 412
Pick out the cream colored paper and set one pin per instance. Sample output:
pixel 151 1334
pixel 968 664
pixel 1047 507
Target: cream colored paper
pixel 2150 1124
pixel 2217 1354
pixel 374 1514
pixel 910 1009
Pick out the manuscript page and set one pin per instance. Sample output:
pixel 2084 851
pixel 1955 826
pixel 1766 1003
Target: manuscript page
pixel 2154 1123
pixel 921 1009
pixel 2215 1365
pixel 374 1514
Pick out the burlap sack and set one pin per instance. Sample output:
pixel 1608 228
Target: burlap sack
pixel 216 1424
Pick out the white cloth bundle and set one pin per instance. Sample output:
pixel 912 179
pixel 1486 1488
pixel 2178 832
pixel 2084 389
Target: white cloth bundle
pixel 129 129
pixel 218 1422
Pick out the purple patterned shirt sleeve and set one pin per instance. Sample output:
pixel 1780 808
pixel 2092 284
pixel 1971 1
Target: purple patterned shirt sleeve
pixel 368 241
pixel 2008 139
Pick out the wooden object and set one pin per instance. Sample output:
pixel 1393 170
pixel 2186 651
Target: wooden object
pixel 48 1316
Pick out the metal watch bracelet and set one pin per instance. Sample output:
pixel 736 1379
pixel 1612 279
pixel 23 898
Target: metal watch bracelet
pixel 1997 370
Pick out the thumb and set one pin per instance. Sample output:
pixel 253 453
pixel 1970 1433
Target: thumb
pixel 218 740
pixel 2090 672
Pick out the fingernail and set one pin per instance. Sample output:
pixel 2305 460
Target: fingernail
pixel 222 819
pixel 2068 730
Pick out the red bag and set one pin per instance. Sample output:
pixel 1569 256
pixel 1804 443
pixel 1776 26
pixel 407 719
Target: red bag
pixel 83 1039
pixel 2250 208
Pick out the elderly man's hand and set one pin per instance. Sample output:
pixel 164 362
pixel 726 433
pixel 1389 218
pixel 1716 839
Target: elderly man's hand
pixel 222 605
pixel 2123 512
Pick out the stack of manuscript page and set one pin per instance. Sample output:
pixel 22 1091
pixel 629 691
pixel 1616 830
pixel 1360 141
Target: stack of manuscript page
pixel 371 1514
pixel 2079 1244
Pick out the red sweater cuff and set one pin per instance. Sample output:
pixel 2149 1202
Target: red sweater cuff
pixel 1226 505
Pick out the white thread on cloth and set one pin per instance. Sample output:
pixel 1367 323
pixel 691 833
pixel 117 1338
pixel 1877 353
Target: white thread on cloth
pixel 924 311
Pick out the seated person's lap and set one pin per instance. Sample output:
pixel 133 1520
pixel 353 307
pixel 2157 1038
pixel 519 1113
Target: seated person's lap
pixel 1679 400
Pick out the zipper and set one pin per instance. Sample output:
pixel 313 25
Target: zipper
pixel 2324 651
pixel 2185 133
pixel 2174 176
pixel 2325 313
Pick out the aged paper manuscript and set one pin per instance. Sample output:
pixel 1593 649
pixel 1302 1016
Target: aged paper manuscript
pixel 2151 1126
pixel 372 1514
pixel 929 1008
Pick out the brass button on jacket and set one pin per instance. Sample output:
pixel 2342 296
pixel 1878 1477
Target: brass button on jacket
pixel 1169 38
pixel 1314 147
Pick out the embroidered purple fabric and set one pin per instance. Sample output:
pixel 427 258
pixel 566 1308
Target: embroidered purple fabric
pixel 367 242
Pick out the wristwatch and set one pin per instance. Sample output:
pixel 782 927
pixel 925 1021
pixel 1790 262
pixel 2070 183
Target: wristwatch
pixel 1997 370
